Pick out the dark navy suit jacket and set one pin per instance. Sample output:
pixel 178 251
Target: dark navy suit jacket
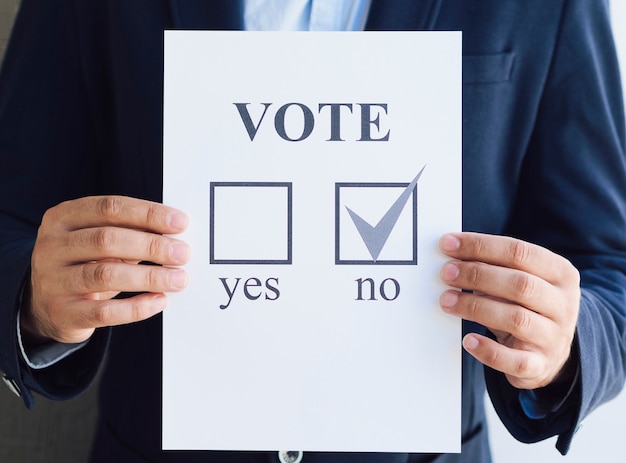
pixel 543 160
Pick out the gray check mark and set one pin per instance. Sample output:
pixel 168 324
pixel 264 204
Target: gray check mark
pixel 376 237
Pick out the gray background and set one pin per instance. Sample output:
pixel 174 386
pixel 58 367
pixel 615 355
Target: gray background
pixel 61 432
pixel 7 12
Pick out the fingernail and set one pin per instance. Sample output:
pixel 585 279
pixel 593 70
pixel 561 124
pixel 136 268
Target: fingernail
pixel 177 279
pixel 449 272
pixel 180 253
pixel 177 220
pixel 449 243
pixel 449 299
pixel 470 342
pixel 159 302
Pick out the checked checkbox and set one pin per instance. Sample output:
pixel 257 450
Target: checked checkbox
pixel 392 207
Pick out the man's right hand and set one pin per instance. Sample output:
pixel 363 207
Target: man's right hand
pixel 87 252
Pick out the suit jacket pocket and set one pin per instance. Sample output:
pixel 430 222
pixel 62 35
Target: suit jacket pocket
pixel 485 69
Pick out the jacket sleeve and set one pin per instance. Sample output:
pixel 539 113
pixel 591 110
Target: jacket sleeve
pixel 48 154
pixel 572 200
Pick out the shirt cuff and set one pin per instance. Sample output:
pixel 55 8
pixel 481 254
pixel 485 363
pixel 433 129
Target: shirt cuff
pixel 539 403
pixel 48 354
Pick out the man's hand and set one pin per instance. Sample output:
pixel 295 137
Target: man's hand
pixel 87 251
pixel 526 295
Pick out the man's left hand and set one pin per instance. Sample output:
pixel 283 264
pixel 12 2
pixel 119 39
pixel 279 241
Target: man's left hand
pixel 526 295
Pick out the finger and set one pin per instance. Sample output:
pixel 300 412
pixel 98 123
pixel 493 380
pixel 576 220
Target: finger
pixel 114 312
pixel 508 252
pixel 98 277
pixel 120 211
pixel 119 243
pixel 513 285
pixel 498 315
pixel 524 369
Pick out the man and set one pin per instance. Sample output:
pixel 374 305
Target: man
pixel 80 140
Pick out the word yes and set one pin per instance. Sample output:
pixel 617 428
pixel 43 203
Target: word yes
pixel 252 289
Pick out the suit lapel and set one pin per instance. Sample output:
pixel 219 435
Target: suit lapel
pixel 205 14
pixel 398 15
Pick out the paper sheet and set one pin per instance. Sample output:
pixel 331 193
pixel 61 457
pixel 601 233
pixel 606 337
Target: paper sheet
pixel 319 171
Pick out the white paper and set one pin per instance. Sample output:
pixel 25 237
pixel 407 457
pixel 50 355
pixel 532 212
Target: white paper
pixel 306 326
